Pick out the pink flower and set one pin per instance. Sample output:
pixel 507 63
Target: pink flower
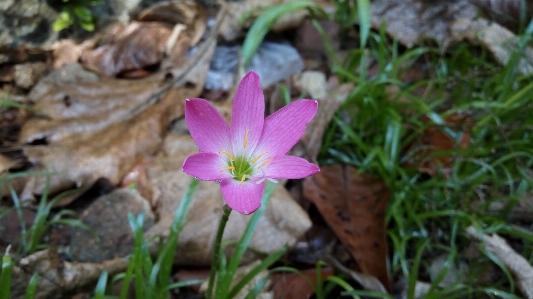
pixel 252 149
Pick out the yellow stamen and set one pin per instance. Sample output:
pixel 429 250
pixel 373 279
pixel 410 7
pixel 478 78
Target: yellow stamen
pixel 266 162
pixel 228 168
pixel 257 158
pixel 227 153
pixel 243 177
pixel 246 138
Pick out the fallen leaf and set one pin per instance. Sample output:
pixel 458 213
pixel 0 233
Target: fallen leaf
pixel 6 163
pixel 89 137
pixel 67 51
pixel 501 42
pixel 135 46
pixel 354 206
pixel 283 223
pixel 288 285
pixel 517 264
pixel 57 277
pixel 188 13
pixel 427 150
pixel 410 21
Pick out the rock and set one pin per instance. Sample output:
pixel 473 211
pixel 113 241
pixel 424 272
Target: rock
pixel 25 23
pixel 274 61
pixel 110 236
pixel 28 74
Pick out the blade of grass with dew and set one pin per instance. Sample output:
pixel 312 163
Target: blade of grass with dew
pixel 265 263
pixel 5 276
pixel 224 281
pixel 31 290
pixel 265 21
pixel 165 260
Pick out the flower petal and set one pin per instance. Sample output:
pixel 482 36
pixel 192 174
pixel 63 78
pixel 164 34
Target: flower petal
pixel 289 167
pixel 244 198
pixel 206 166
pixel 285 127
pixel 207 127
pixel 248 114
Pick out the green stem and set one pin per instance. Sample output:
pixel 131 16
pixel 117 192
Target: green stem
pixel 216 251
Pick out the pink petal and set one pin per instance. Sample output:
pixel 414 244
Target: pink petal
pixel 206 166
pixel 244 198
pixel 285 127
pixel 289 167
pixel 207 127
pixel 248 114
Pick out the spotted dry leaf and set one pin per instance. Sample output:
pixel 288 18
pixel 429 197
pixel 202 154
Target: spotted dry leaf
pixel 354 206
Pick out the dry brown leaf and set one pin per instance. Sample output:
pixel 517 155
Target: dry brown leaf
pixel 189 13
pixel 67 51
pixel 288 285
pixel 57 277
pixel 354 206
pixel 283 223
pixel 501 42
pixel 433 140
pixel 88 141
pixel 409 21
pixel 138 45
pixel 6 163
pixel 517 264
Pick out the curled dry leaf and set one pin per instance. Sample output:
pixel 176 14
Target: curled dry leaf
pixel 409 21
pixel 501 42
pixel 517 264
pixel 354 206
pixel 57 277
pixel 283 223
pixel 130 47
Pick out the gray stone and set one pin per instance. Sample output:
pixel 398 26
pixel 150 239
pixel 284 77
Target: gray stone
pixel 26 22
pixel 110 236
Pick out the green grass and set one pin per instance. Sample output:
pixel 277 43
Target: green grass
pixel 428 214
